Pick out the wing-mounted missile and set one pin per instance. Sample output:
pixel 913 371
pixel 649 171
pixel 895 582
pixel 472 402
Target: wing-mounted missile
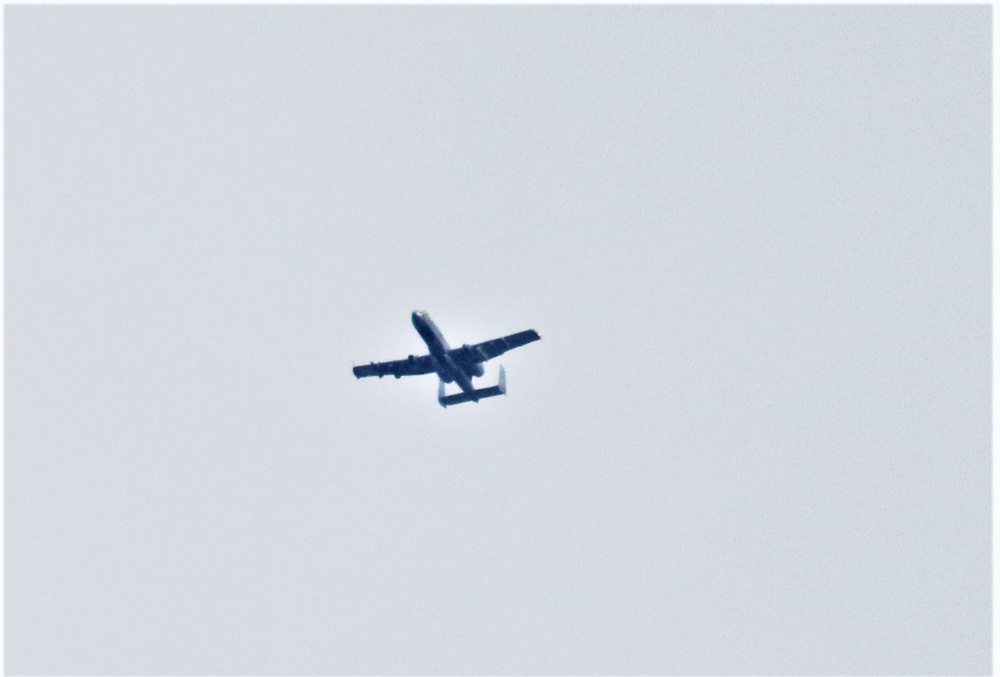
pixel 499 389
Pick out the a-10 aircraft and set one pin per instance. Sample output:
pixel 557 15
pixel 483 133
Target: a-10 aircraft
pixel 452 365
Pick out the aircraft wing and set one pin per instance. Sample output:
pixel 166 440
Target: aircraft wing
pixel 498 346
pixel 411 366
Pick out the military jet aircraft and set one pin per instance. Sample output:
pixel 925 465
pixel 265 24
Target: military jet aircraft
pixel 452 365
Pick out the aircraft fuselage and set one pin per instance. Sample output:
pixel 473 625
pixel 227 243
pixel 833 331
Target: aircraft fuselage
pixel 446 368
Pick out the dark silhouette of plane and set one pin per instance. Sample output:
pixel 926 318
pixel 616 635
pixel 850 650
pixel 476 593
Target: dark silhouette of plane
pixel 452 365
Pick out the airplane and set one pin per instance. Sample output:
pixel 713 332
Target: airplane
pixel 452 365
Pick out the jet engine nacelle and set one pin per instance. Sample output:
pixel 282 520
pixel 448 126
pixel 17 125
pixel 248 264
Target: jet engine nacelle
pixel 469 359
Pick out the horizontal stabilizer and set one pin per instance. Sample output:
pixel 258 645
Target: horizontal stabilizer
pixel 476 395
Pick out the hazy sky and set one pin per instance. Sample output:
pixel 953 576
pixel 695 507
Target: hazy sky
pixel 755 436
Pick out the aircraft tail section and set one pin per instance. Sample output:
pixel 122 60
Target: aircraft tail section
pixel 499 389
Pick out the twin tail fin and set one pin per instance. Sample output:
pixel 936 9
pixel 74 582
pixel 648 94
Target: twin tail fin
pixel 476 395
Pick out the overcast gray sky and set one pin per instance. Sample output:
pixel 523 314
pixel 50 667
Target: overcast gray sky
pixel 755 436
